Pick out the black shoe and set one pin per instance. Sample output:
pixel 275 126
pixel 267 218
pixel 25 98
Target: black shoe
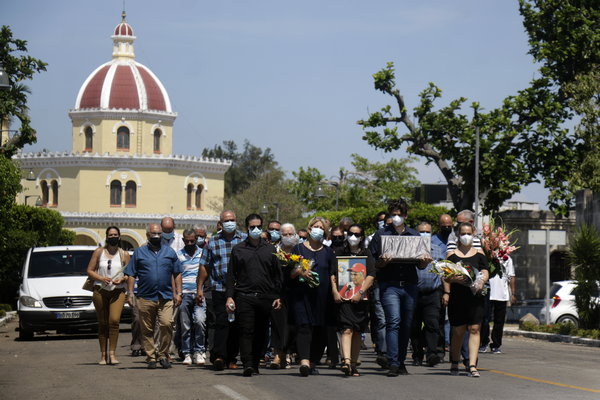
pixel 433 360
pixel 393 372
pixel 402 370
pixel 417 362
pixel 152 365
pixel 248 371
pixel 314 371
pixel 219 364
pixel 164 363
pixel 304 370
pixel 383 361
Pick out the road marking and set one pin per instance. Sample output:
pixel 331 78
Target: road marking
pixel 230 392
pixel 542 381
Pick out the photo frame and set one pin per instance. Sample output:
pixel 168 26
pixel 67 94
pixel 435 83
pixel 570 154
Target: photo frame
pixel 347 266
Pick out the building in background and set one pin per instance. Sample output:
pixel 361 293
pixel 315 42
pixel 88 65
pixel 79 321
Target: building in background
pixel 121 170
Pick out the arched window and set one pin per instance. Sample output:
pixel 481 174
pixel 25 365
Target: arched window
pixel 115 193
pixel 123 138
pixel 54 187
pixel 157 134
pixel 199 190
pixel 130 194
pixel 45 194
pixel 190 194
pixel 89 139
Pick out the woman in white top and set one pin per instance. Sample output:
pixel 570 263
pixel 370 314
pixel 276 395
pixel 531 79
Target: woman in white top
pixel 106 268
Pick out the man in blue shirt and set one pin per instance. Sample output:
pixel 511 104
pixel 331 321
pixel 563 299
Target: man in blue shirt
pixel 215 257
pixel 155 265
pixel 398 288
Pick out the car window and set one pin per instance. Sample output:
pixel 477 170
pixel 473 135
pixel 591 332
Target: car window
pixel 555 288
pixel 59 263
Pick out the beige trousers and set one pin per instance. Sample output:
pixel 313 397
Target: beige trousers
pixel 150 313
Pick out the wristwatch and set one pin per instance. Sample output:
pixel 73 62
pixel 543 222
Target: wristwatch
pixel 361 292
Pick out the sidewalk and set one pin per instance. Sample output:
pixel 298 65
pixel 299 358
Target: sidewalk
pixel 9 317
pixel 513 330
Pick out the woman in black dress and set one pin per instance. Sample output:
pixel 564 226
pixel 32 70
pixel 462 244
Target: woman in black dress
pixel 353 305
pixel 308 306
pixel 465 309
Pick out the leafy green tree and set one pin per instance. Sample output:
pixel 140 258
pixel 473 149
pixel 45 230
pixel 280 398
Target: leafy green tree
pixel 246 166
pixel 520 142
pixel 304 185
pixel 13 102
pixel 584 256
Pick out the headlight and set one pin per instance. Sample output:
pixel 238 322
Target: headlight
pixel 29 301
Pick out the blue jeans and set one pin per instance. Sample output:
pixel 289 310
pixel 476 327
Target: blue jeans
pixel 399 304
pixel 193 324
pixel 377 320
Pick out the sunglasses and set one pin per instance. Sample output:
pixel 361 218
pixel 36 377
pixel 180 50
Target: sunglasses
pixel 109 264
pixel 255 226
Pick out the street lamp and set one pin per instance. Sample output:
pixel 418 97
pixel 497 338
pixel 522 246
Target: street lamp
pixel 30 175
pixel 4 82
pixel 38 202
pixel 320 193
pixel 264 210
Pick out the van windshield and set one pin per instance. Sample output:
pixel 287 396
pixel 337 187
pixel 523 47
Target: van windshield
pixel 46 264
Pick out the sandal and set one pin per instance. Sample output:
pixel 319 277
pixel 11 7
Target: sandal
pixel 354 371
pixel 473 371
pixel 453 368
pixel 346 367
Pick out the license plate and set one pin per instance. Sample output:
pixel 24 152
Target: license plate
pixel 67 314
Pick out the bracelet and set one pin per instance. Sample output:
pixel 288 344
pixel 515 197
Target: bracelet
pixel 448 293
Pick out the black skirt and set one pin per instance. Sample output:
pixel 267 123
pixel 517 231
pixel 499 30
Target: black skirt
pixel 353 316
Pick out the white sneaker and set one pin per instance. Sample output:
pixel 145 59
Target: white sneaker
pixel 200 358
pixel 187 360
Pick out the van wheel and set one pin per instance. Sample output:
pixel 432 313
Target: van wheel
pixel 24 333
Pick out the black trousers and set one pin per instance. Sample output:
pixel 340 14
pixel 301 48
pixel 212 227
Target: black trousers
pixel 279 328
pixel 311 342
pixel 225 343
pixel 252 314
pixel 496 312
pixel 425 333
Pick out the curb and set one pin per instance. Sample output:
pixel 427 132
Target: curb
pixel 9 317
pixel 553 337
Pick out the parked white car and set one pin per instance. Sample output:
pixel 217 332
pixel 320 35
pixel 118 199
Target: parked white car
pixel 562 304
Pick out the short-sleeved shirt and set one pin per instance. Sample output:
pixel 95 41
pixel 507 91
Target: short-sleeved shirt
pixel 215 258
pixel 395 271
pixel 176 243
pixel 499 285
pixel 442 245
pixel 154 270
pixel 189 266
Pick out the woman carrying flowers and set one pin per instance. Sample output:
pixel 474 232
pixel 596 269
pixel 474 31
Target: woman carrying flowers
pixel 308 302
pixel 463 298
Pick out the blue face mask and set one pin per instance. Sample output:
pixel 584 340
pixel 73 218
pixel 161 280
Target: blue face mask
pixel 254 233
pixel 168 236
pixel 200 241
pixel 229 226
pixel 301 240
pixel 380 224
pixel 425 234
pixel 275 235
pixel 317 234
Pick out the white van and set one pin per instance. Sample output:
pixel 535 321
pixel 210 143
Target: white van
pixel 50 295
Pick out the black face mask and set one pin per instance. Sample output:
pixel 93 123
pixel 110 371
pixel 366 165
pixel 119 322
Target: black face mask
pixel 190 248
pixel 155 241
pixel 112 241
pixel 337 240
pixel 445 230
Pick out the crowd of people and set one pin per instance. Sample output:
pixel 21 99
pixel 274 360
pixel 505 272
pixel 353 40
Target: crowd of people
pixel 273 295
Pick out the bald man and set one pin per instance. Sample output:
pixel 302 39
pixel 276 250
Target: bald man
pixel 169 236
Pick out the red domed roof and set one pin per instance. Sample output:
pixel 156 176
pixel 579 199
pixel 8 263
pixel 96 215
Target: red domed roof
pixel 123 29
pixel 123 84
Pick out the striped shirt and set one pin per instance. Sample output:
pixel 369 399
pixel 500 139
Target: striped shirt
pixel 215 258
pixel 189 265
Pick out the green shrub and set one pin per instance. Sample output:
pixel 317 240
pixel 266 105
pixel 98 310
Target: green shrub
pixel 5 307
pixel 2 313
pixel 529 326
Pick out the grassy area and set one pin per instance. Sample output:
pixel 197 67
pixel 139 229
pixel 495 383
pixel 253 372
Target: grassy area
pixel 562 329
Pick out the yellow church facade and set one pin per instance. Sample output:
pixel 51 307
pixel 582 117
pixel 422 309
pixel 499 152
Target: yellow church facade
pixel 121 170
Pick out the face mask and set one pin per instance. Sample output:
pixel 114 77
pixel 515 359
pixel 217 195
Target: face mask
pixel 445 230
pixel 398 220
pixel 301 239
pixel 353 240
pixel 190 248
pixel 317 234
pixel 274 235
pixel 425 234
pixel 155 241
pixel 466 239
pixel 337 240
pixel 168 236
pixel 229 226
pixel 112 241
pixel 255 233
pixel 380 224
pixel 290 241
pixel 200 241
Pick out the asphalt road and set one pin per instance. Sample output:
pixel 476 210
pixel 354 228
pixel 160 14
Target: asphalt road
pixel 64 367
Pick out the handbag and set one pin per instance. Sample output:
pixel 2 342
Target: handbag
pixel 88 285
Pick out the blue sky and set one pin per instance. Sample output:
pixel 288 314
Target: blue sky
pixel 292 76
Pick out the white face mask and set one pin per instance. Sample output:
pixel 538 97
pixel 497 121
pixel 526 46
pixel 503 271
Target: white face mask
pixel 289 241
pixel 353 240
pixel 397 220
pixel 466 240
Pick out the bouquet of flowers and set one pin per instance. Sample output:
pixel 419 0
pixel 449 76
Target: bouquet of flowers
pixel 297 261
pixel 497 246
pixel 473 278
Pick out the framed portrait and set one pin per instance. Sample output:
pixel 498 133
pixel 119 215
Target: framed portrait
pixel 352 272
pixel 405 247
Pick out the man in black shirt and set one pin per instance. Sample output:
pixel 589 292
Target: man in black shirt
pixel 398 288
pixel 254 280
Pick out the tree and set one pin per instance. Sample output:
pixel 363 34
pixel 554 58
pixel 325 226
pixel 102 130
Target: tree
pixel 304 186
pixel 13 102
pixel 246 166
pixel 520 142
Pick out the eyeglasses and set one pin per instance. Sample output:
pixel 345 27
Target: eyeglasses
pixel 109 263
pixel 254 227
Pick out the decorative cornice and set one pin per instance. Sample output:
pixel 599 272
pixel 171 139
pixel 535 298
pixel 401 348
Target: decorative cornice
pixel 113 113
pixel 87 218
pixel 114 161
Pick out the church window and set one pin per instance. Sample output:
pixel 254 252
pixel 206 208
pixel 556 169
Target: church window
pixel 199 191
pixel 89 139
pixel 123 138
pixel 157 135
pixel 130 194
pixel 115 193
pixel 190 194
pixel 54 187
pixel 45 193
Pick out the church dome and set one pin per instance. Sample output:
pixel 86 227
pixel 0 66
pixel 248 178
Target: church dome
pixel 123 83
